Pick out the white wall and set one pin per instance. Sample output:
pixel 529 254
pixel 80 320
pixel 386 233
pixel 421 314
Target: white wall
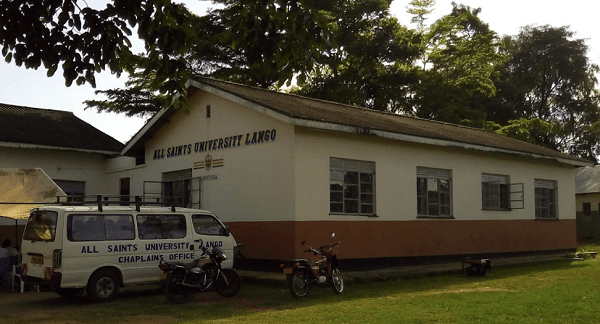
pixel 61 165
pixel 396 166
pixel 255 182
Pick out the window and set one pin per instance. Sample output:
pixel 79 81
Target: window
pixel 41 226
pixel 434 192
pixel 495 191
pixel 176 187
pixel 124 189
pixel 161 226
pixel 100 227
pixel 351 187
pixel 587 208
pixel 74 189
pixel 207 225
pixel 545 199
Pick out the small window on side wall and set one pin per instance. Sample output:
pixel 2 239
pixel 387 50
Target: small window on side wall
pixel 434 192
pixel 495 192
pixel 351 187
pixel 545 199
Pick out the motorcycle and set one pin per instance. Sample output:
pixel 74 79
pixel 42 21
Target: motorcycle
pixel 303 274
pixel 183 280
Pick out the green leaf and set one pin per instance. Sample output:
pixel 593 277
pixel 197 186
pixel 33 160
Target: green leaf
pixel 51 70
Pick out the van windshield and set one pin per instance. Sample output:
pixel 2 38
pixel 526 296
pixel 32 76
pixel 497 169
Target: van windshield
pixel 41 226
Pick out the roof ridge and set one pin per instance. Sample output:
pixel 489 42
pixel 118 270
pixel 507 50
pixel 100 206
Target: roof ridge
pixel 36 108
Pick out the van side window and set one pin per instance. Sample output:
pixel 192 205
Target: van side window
pixel 100 227
pixel 161 226
pixel 207 225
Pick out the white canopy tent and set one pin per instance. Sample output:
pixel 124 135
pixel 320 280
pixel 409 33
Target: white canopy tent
pixel 21 190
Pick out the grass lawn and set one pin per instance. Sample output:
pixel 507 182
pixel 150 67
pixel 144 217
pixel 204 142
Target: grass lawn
pixel 555 292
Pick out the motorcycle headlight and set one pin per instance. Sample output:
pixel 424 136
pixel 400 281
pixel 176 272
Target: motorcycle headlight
pixel 223 256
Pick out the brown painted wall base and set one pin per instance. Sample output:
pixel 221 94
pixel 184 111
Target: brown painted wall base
pixel 391 239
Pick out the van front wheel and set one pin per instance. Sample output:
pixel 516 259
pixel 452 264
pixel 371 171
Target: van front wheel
pixel 103 286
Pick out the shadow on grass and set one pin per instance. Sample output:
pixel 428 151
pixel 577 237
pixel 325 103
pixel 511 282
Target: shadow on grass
pixel 256 297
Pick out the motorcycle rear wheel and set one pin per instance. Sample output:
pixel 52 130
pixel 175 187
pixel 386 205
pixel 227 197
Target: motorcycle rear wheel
pixel 234 286
pixel 174 291
pixel 337 281
pixel 297 284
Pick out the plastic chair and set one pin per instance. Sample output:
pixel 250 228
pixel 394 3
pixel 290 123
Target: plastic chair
pixel 16 273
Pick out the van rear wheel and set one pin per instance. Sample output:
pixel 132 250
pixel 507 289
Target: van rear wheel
pixel 103 286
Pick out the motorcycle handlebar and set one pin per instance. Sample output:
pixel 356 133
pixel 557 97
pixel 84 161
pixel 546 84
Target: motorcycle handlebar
pixel 320 250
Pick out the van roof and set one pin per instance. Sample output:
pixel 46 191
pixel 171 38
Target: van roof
pixel 130 209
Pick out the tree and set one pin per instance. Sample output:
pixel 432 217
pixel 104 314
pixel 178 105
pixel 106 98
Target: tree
pixel 549 78
pixel 372 62
pixel 84 41
pixel 461 55
pixel 420 9
pixel 260 43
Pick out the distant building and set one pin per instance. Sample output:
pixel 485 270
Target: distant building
pixel 587 189
pixel 70 151
pixel 279 169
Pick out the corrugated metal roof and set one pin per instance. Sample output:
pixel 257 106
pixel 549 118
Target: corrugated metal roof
pixel 587 180
pixel 367 120
pixel 53 128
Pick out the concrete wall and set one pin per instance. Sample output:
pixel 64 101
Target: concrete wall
pixel 250 182
pixel 397 231
pixel 61 165
pixel 588 226
pixel 275 194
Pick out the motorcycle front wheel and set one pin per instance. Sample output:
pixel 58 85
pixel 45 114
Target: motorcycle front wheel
pixel 232 286
pixel 174 291
pixel 337 281
pixel 297 284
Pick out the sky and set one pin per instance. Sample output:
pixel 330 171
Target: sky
pixel 32 88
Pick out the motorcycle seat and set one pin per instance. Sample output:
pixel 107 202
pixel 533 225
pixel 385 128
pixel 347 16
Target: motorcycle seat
pixel 187 265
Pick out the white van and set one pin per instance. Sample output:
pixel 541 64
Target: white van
pixel 78 249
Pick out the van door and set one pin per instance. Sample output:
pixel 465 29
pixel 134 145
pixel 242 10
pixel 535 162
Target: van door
pixel 213 234
pixel 42 239
pixel 161 237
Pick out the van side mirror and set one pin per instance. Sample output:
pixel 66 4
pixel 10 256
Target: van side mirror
pixel 227 231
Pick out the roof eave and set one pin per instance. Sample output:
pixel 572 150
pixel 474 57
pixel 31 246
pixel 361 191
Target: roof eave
pixel 431 141
pixel 58 148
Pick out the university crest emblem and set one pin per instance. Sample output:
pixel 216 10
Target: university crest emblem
pixel 208 162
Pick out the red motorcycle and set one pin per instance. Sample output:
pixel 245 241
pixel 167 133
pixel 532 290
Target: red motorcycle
pixel 303 274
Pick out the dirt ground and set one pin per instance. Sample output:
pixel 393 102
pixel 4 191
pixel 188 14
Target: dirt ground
pixel 31 304
pixel 19 307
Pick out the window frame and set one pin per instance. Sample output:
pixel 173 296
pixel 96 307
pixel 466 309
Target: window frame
pixel 74 189
pixel 489 201
pixel 546 190
pixel 425 176
pixel 352 185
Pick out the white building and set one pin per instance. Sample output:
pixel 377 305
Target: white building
pixel 279 169
pixel 587 190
